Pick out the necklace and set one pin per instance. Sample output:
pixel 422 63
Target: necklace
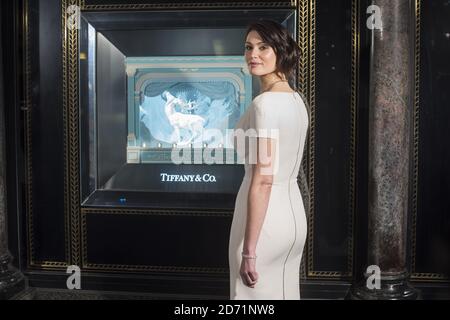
pixel 270 87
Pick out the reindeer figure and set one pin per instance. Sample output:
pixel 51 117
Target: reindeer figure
pixel 191 122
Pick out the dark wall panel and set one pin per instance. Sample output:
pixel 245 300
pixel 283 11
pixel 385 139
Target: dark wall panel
pixel 47 131
pixel 180 240
pixel 332 135
pixel 433 207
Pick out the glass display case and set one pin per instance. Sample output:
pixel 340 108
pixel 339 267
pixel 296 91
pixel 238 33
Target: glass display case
pixel 157 87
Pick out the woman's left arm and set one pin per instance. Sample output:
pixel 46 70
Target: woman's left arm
pixel 259 193
pixel 258 201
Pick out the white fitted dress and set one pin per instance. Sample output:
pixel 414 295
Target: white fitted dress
pixel 282 238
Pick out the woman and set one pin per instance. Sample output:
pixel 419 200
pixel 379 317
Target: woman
pixel 268 231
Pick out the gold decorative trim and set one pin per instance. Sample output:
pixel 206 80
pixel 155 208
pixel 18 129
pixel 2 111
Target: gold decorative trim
pixel 140 268
pixel 28 138
pixel 312 127
pixel 302 71
pixel 416 136
pixel 302 41
pixel 51 265
pixel 303 268
pixel 353 131
pixel 152 212
pixel 71 130
pixel 326 274
pixel 302 16
pixel 66 197
pixel 123 267
pixel 431 277
pixel 184 6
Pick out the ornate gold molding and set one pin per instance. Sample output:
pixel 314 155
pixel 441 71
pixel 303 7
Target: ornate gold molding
pixel 71 131
pixel 430 277
pixel 50 265
pixel 145 268
pixel 356 45
pixel 302 41
pixel 355 19
pixel 416 136
pixel 28 138
pixel 184 6
pixel 326 274
pixel 153 212
pixel 310 7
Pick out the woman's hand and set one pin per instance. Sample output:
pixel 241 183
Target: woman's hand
pixel 248 272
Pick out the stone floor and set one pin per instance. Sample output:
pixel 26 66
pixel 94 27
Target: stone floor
pixel 65 294
pixel 440 293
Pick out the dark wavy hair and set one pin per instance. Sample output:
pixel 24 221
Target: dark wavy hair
pixel 277 36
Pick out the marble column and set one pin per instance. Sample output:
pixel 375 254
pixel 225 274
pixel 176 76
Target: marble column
pixel 390 109
pixel 11 280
